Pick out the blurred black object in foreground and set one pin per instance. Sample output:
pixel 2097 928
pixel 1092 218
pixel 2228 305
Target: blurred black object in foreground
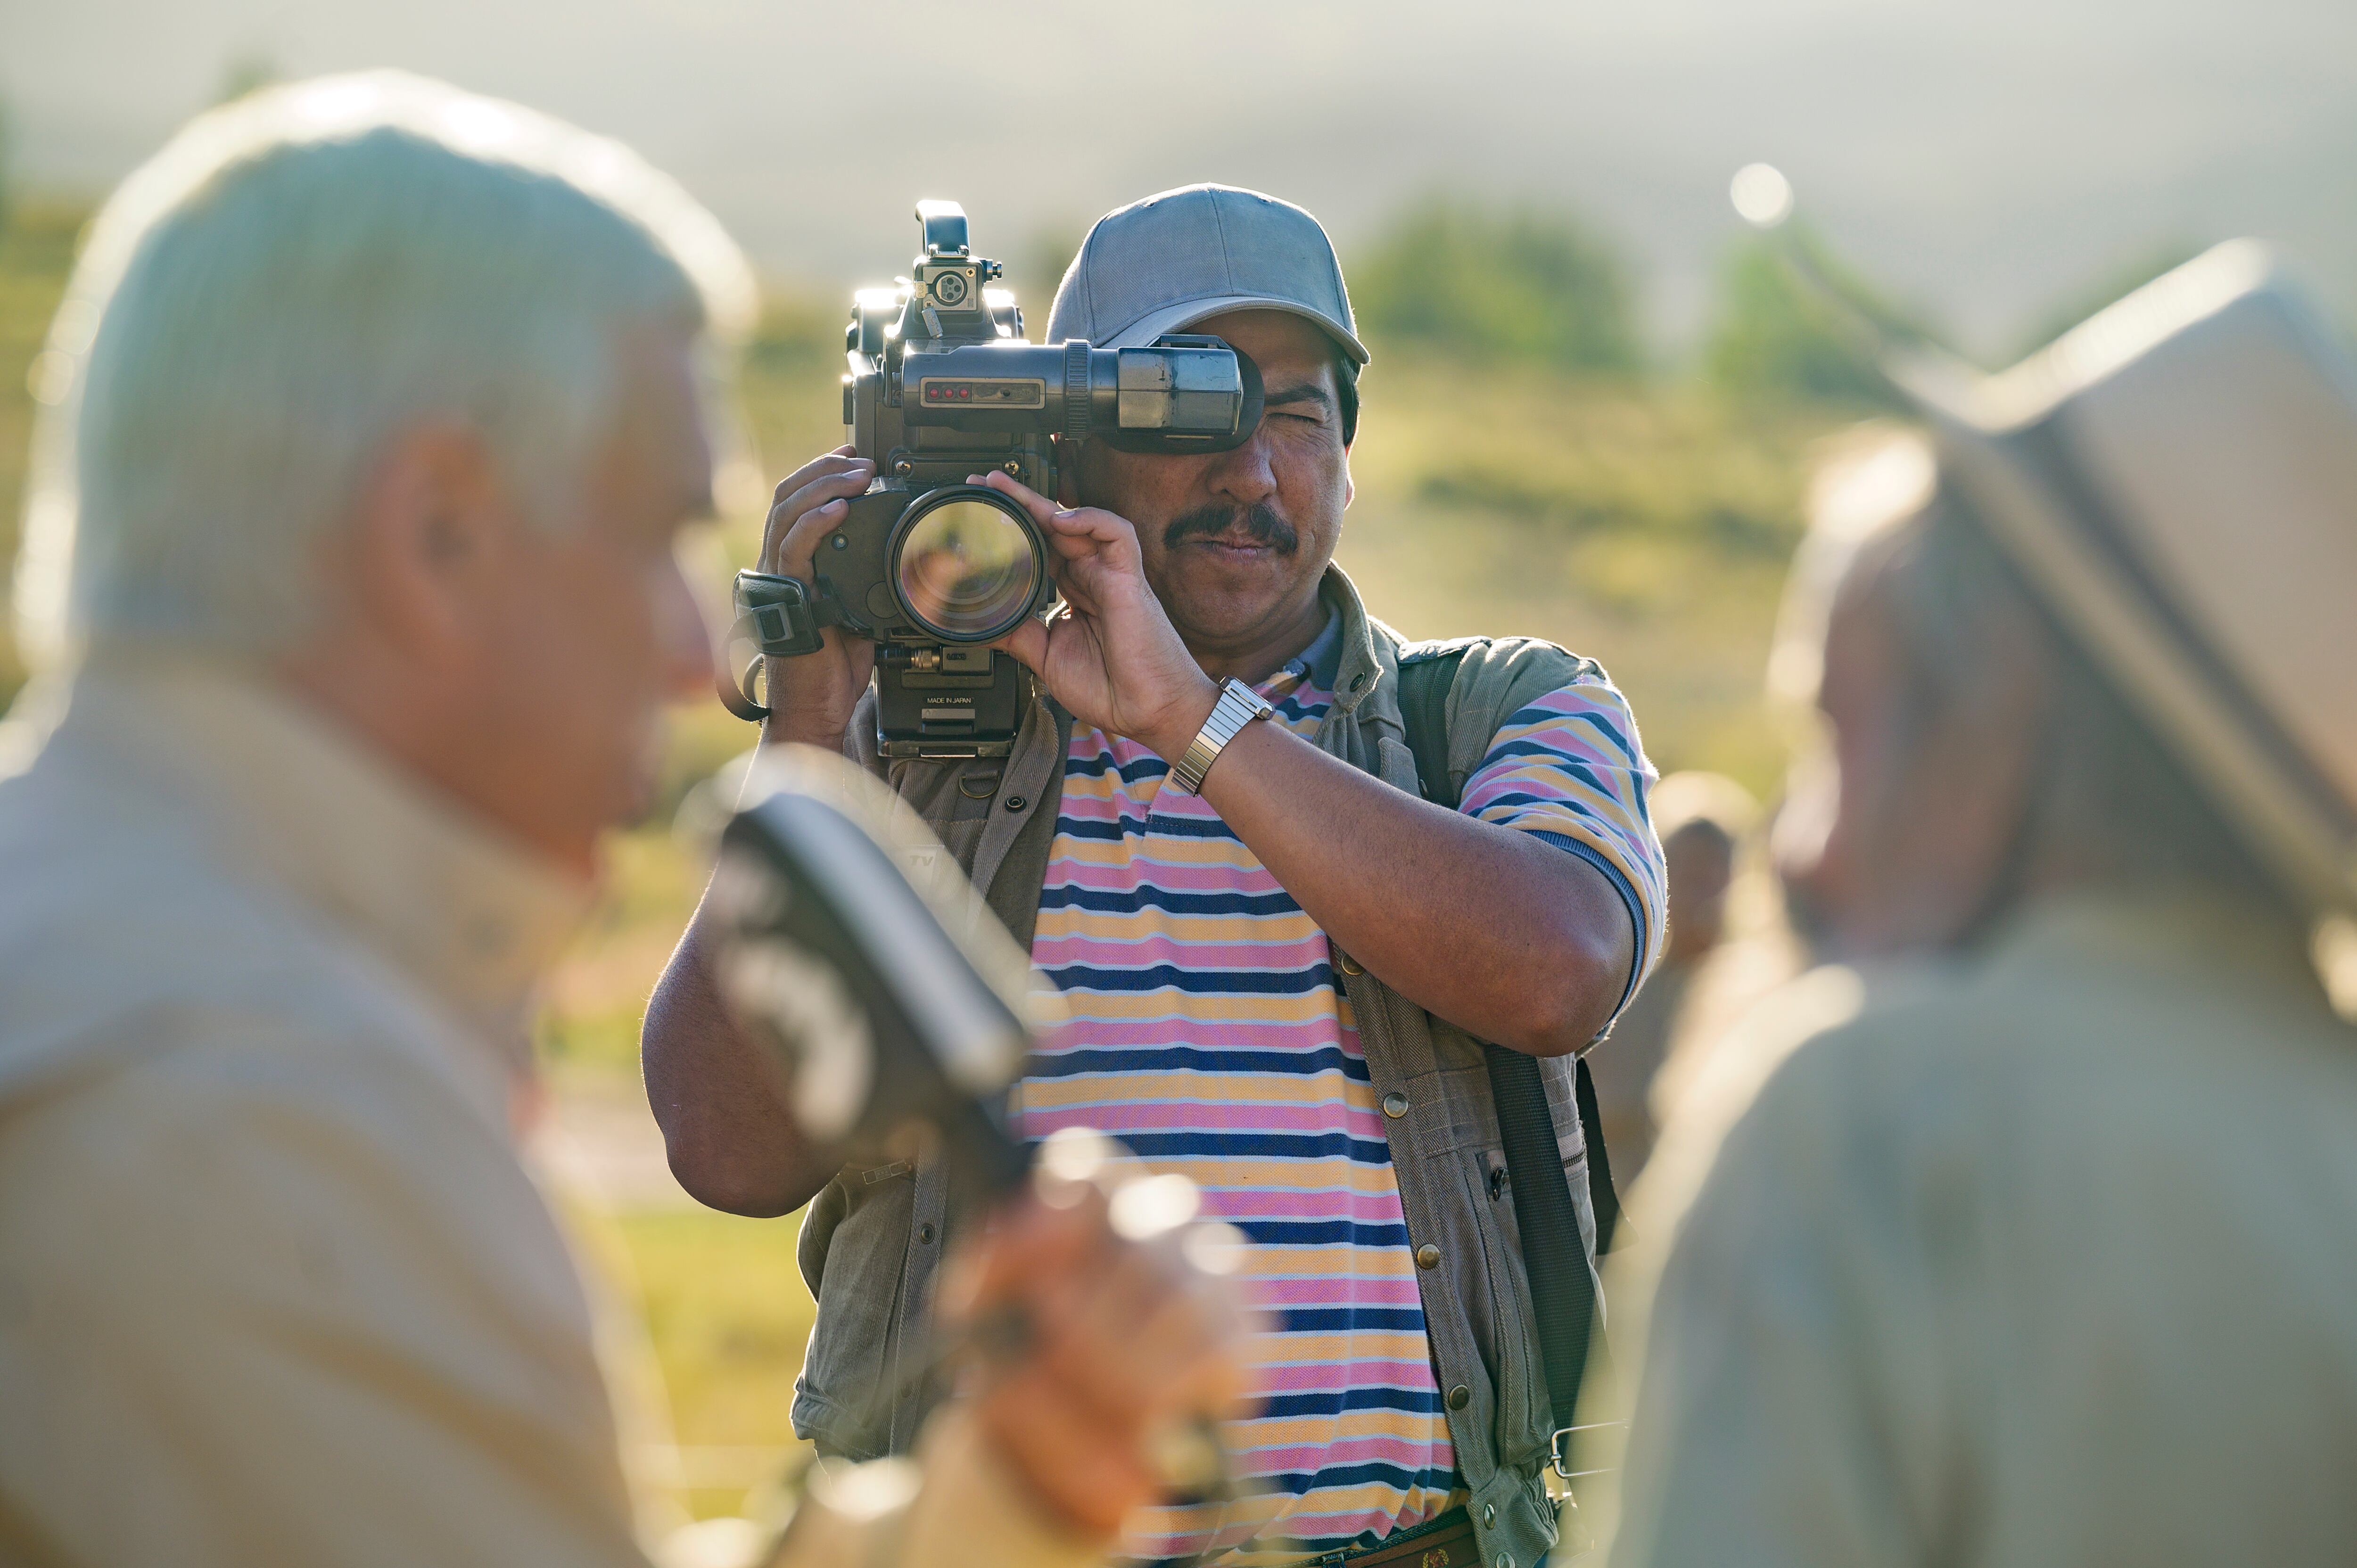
pixel 878 1015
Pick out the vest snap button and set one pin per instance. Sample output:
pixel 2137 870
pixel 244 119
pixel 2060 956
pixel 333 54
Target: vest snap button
pixel 1016 803
pixel 1428 1256
pixel 1347 964
pixel 1489 1518
pixel 925 1234
pixel 1395 1106
pixel 1460 1397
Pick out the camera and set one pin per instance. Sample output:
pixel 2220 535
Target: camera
pixel 942 386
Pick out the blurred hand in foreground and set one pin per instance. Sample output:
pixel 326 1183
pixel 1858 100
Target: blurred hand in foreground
pixel 1110 1341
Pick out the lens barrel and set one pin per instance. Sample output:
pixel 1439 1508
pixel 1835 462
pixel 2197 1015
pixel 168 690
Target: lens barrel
pixel 966 564
pixel 1185 394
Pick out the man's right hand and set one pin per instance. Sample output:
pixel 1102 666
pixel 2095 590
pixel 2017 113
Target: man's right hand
pixel 811 697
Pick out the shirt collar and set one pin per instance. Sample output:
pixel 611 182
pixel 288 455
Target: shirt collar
pixel 1358 665
pixel 291 797
pixel 1314 667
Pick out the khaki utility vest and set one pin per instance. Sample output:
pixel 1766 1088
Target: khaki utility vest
pixel 872 1238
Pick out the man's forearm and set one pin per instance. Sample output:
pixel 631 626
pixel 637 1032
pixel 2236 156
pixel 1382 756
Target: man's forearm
pixel 1495 930
pixel 732 1142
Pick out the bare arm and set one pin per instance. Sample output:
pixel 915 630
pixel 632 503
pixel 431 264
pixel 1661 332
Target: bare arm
pixel 1497 932
pixel 732 1143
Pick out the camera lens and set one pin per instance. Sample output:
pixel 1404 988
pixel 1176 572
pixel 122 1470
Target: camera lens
pixel 967 565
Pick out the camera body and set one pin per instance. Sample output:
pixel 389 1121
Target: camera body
pixel 940 388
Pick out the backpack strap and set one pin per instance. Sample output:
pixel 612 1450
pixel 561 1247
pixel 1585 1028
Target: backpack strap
pixel 1424 683
pixel 1427 675
pixel 1563 1290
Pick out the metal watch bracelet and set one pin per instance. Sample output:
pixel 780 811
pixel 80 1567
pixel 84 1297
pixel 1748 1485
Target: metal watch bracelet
pixel 1238 705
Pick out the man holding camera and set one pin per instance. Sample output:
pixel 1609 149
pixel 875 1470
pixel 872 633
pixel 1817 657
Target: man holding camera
pixel 360 525
pixel 1281 961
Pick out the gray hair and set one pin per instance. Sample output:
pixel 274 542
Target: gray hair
pixel 289 283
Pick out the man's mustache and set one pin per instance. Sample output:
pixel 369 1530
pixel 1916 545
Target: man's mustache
pixel 1260 522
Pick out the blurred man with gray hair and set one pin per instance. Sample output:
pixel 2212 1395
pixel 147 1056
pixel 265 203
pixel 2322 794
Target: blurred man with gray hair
pixel 355 539
pixel 2027 1235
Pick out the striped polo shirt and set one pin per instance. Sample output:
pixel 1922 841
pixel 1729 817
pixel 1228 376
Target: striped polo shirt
pixel 1208 1034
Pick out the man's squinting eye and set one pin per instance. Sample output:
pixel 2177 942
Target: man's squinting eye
pixel 1304 407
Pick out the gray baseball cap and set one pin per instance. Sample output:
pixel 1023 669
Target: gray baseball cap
pixel 1169 261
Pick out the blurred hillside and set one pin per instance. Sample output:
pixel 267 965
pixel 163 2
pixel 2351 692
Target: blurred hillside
pixel 1969 155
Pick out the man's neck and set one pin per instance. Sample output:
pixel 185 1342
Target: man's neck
pixel 1256 659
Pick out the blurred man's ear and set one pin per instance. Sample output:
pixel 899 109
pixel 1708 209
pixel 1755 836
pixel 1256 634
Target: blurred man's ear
pixel 432 538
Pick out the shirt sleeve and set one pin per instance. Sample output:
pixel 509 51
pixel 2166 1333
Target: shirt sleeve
pixel 1569 768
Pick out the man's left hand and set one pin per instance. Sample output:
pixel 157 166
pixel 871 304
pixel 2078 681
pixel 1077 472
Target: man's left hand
pixel 1111 655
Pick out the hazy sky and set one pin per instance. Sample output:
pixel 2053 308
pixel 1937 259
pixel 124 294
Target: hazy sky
pixel 1982 159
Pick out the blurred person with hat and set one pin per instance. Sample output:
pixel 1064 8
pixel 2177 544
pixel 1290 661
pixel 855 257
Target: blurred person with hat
pixel 355 542
pixel 2025 1232
pixel 1702 819
pixel 1282 963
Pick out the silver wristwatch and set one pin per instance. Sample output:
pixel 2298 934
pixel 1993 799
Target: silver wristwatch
pixel 1238 705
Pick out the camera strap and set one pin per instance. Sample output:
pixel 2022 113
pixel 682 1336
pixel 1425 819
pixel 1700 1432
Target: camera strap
pixel 781 618
pixel 1563 1290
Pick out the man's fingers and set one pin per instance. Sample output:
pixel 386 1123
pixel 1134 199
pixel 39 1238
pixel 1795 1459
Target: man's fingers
pixel 1040 507
pixel 1028 1241
pixel 1094 1344
pixel 797 539
pixel 1069 578
pixel 1028 644
pixel 1091 1473
pixel 1141 1336
pixel 809 471
pixel 816 504
pixel 1073 530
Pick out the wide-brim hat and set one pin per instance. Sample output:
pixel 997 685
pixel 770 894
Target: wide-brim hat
pixel 2177 480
